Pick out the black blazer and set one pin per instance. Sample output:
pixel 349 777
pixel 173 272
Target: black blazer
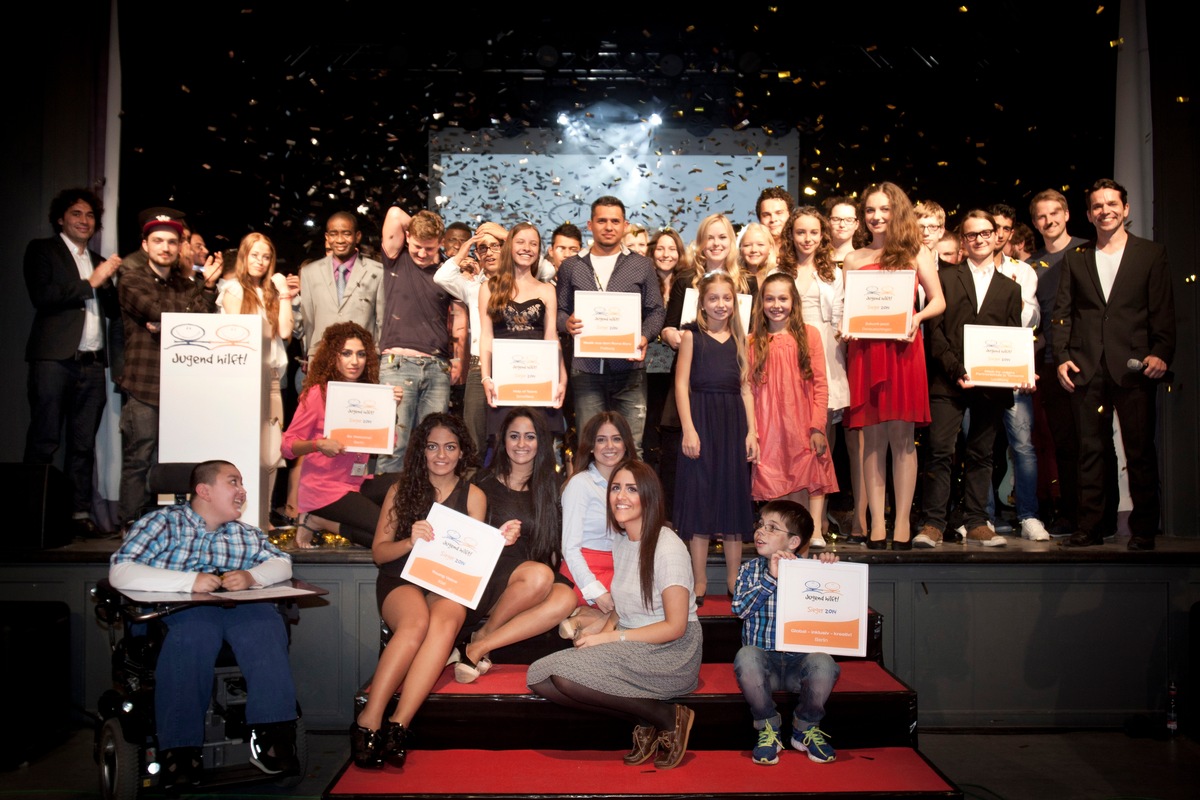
pixel 1136 321
pixel 1001 306
pixel 58 295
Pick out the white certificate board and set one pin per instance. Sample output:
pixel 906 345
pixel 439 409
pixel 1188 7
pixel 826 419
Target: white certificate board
pixel 821 608
pixel 459 561
pixel 879 303
pixel 612 324
pixel 361 416
pixel 525 371
pixel 691 299
pixel 212 398
pixel 998 355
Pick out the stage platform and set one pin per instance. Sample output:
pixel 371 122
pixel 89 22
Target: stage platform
pixel 1031 635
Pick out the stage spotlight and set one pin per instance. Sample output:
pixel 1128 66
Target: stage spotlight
pixel 563 119
pixel 655 119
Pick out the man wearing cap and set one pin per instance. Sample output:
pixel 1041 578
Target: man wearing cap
pixel 147 292
pixel 72 291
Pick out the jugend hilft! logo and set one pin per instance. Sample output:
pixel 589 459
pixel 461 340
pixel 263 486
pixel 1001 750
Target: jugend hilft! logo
pixel 228 336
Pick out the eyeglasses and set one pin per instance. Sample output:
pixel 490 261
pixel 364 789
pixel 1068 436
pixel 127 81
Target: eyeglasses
pixel 930 227
pixel 487 248
pixel 842 220
pixel 984 235
pixel 771 527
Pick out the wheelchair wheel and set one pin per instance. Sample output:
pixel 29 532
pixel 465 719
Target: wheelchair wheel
pixel 119 763
pixel 292 781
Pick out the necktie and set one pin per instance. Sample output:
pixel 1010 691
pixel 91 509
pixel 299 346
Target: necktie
pixel 340 280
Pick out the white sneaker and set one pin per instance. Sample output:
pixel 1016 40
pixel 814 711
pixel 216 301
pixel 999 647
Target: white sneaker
pixel 1033 530
pixel 817 540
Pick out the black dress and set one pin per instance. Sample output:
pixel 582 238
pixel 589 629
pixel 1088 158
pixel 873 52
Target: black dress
pixel 524 320
pixel 712 492
pixel 505 504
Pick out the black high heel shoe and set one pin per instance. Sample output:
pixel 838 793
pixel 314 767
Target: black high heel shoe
pixel 395 743
pixel 876 544
pixel 366 747
pixel 905 545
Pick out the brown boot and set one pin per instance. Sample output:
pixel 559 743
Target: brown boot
pixel 672 744
pixel 645 745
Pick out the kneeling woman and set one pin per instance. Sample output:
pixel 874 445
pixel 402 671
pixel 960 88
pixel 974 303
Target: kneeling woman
pixel 526 594
pixel 424 625
pixel 649 651
pixel 335 493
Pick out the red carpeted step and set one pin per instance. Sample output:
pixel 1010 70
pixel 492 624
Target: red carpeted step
pixel 869 707
pixel 591 773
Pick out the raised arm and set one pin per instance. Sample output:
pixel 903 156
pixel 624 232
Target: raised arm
pixel 395 228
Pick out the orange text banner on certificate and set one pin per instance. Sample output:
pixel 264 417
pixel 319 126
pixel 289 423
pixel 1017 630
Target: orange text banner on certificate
pixel 522 395
pixel 998 355
pixel 821 607
pixel 453 584
pixel 879 303
pixel 822 633
pixel 458 560
pixel 612 324
pixel 358 437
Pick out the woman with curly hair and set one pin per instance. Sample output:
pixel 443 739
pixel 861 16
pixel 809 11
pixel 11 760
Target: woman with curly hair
pixel 258 289
pixel 889 390
pixel 335 492
pixel 424 625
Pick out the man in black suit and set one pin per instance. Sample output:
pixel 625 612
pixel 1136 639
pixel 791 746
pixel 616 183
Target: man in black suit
pixel 72 291
pixel 1113 340
pixel 976 294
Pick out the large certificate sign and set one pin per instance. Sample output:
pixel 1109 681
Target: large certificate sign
pixel 691 298
pixel 612 324
pixel 879 303
pixel 362 416
pixel 525 371
pixel 821 608
pixel 998 355
pixel 459 560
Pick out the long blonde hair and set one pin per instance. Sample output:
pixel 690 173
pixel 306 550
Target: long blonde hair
pixel 735 319
pixel 760 336
pixel 250 285
pixel 741 282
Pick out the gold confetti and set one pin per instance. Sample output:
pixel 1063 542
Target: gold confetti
pixel 1117 42
pixel 784 75
pixel 1182 99
pixel 1099 9
pixel 962 9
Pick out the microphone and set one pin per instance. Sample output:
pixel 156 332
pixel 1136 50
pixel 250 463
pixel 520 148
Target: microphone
pixel 1137 365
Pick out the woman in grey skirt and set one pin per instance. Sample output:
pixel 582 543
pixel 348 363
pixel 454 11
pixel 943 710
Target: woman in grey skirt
pixel 649 651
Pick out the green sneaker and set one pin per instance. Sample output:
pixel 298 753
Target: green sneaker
pixel 812 739
pixel 766 752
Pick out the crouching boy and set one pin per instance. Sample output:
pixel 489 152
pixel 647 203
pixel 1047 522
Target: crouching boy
pixel 201 547
pixel 783 532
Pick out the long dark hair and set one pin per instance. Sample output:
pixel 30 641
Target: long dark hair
pixel 760 337
pixel 542 485
pixel 585 452
pixel 414 493
pixel 654 516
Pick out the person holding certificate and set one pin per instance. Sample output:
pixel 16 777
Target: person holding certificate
pixel 649 650
pixel 335 494
pixel 423 625
pixel 889 391
pixel 526 594
pixel 514 304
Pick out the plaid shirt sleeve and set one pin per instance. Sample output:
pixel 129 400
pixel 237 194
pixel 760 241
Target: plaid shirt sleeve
pixel 754 602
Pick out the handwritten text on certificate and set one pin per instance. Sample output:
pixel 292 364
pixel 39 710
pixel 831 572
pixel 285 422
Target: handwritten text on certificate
pixel 821 608
pixel 612 324
pixel 525 371
pixel 879 303
pixel 459 560
pixel 998 355
pixel 362 416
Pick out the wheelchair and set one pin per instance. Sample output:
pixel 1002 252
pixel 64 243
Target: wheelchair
pixel 125 747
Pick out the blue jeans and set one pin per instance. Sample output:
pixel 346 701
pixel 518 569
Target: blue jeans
pixel 810 675
pixel 184 675
pixel 426 382
pixel 623 392
pixel 1018 422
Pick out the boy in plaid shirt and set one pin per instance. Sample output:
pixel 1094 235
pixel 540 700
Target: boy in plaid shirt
pixel 784 531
